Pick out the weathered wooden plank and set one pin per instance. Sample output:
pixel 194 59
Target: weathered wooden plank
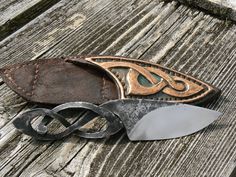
pixel 11 8
pixel 225 9
pixel 170 34
pixel 15 14
pixel 58 26
pixel 7 108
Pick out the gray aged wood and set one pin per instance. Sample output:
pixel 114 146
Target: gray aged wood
pixel 225 9
pixel 11 8
pixel 14 14
pixel 167 33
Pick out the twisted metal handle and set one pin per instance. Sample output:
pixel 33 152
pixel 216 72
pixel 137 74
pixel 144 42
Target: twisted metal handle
pixel 24 121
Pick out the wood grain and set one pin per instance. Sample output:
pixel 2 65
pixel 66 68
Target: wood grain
pixel 163 32
pixel 225 9
pixel 11 8
pixel 15 14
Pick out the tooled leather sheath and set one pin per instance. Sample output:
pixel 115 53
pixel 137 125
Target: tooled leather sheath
pixel 101 78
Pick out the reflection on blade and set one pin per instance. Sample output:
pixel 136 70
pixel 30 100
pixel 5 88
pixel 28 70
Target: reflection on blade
pixel 171 122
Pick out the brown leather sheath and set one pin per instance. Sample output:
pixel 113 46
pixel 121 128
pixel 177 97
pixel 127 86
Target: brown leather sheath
pixel 97 79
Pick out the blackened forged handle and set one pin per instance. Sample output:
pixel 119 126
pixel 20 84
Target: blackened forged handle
pixel 24 121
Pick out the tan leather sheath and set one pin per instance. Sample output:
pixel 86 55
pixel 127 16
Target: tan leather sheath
pixel 97 79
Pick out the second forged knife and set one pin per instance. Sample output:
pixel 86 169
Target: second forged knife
pixel 143 119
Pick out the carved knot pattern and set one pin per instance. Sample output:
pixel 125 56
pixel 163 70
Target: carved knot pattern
pixel 154 80
pixel 145 80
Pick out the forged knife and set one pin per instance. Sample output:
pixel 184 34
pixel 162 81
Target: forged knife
pixel 143 119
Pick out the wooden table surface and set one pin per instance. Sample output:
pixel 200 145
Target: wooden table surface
pixel 167 33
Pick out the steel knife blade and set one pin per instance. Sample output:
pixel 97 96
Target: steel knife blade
pixel 156 120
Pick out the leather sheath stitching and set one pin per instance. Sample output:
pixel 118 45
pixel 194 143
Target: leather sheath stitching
pixel 7 73
pixel 103 91
pixel 35 78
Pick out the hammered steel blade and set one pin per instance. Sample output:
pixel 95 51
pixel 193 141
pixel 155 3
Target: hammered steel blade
pixel 156 120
